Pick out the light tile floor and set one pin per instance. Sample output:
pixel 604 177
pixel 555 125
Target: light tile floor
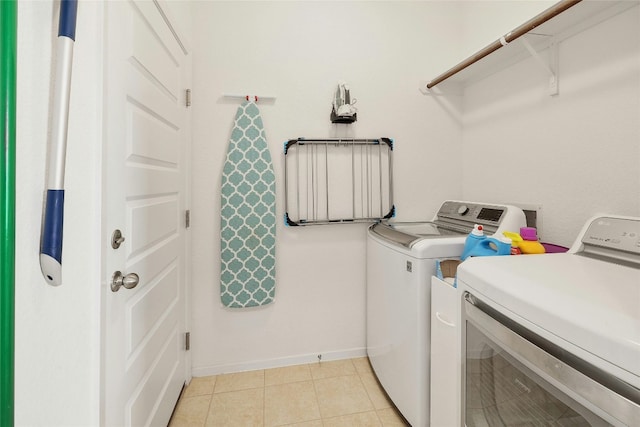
pixel 326 394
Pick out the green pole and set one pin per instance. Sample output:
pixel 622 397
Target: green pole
pixel 8 61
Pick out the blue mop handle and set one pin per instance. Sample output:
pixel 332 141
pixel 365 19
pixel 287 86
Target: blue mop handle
pixel 68 15
pixel 52 226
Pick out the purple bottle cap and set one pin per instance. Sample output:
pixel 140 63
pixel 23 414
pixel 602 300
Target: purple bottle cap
pixel 528 233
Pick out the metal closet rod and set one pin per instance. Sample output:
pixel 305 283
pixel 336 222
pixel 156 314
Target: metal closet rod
pixel 523 29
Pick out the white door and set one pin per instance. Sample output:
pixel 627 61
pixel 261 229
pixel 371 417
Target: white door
pixel 146 71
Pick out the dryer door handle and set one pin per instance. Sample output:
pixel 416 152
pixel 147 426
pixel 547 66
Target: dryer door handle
pixel 446 322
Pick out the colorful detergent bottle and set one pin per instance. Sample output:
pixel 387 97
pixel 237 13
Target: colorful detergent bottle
pixel 492 246
pixel 515 241
pixel 530 244
pixel 475 237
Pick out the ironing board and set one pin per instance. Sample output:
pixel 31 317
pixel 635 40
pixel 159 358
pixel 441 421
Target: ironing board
pixel 248 215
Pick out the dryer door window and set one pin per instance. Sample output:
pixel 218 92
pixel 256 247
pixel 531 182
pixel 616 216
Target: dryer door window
pixel 509 380
pixel 501 391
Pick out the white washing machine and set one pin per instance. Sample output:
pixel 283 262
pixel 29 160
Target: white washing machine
pixel 401 258
pixel 554 339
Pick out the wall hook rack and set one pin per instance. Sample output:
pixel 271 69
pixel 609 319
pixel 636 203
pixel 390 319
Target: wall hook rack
pixel 249 97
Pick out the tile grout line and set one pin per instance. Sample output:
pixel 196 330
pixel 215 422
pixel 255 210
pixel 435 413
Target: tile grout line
pixel 369 396
pixel 209 407
pixel 264 398
pixel 315 393
pixel 206 418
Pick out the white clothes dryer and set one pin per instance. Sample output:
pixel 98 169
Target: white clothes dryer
pixel 401 258
pixel 560 333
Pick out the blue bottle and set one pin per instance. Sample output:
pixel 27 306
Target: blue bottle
pixel 491 246
pixel 475 237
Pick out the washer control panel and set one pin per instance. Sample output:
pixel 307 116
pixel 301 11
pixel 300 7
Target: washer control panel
pixel 472 212
pixel 463 210
pixel 461 216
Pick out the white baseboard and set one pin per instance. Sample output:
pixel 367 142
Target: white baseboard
pixel 204 371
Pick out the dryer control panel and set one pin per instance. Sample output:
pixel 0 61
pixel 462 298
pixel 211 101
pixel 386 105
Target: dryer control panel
pixel 612 235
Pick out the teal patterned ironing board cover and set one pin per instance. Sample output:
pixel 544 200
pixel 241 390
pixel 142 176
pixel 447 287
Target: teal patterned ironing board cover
pixel 248 215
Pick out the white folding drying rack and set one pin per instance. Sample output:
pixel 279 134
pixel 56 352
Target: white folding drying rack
pixel 338 180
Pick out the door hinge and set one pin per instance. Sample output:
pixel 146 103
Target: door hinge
pixel 187 341
pixel 187 218
pixel 188 98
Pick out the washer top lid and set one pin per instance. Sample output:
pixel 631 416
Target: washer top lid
pixel 408 234
pixel 589 306
pixel 422 229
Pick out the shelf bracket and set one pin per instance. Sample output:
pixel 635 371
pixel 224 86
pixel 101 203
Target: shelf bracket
pixel 550 66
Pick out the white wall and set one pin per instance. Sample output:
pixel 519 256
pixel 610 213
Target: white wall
pixel 576 154
pixel 298 51
pixel 57 329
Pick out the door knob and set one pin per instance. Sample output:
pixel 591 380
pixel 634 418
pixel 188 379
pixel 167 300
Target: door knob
pixel 129 281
